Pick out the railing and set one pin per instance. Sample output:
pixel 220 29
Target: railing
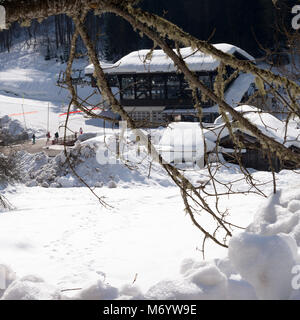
pixel 68 140
pixel 76 79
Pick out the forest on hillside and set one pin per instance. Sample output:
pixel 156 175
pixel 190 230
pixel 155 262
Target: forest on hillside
pixel 249 24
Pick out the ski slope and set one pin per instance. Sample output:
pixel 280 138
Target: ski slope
pixel 29 93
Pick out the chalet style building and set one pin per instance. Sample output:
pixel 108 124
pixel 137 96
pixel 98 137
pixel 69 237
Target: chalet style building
pixel 150 87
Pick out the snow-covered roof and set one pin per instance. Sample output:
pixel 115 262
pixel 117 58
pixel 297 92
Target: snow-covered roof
pixel 104 65
pixel 235 92
pixel 237 89
pixel 269 125
pixel 137 62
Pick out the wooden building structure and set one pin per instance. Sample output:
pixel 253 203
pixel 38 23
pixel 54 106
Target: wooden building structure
pixel 151 88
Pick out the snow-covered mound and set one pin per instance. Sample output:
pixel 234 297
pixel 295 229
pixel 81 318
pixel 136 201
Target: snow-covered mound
pixel 31 288
pixel 95 162
pixel 260 263
pixel 12 131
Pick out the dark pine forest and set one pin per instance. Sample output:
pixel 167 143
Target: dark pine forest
pixel 249 24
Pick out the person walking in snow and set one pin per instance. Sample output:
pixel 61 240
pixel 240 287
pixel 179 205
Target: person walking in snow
pixel 48 137
pixel 33 139
pixel 80 131
pixel 56 136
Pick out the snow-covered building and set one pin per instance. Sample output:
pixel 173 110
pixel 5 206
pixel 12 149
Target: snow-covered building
pixel 184 142
pixel 151 88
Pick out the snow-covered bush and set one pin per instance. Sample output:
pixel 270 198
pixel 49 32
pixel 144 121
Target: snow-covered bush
pixel 12 131
pixel 8 168
pixel 111 184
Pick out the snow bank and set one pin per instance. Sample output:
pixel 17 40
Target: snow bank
pixel 32 287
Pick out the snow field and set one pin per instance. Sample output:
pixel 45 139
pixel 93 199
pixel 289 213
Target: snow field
pixel 59 237
pixel 76 243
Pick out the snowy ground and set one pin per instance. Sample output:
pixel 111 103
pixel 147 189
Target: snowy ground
pixel 28 84
pixel 68 239
pixel 65 237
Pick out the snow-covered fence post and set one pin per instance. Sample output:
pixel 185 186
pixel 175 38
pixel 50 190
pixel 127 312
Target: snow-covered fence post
pixel 149 143
pixel 137 141
pixel 118 146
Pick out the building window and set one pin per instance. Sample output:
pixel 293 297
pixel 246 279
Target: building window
pixel 140 115
pixel 186 91
pixel 229 71
pixel 158 87
pixel 93 82
pixel 173 87
pixel 128 87
pixel 113 81
pixel 157 116
pixel 206 80
pixel 143 87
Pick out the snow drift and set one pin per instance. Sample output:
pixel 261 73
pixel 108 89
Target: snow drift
pixel 259 264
